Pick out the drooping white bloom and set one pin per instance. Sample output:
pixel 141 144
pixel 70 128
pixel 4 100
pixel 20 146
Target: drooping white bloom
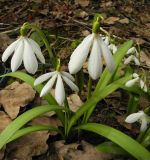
pixel 137 79
pixel 26 50
pixel 94 44
pixel 133 56
pixel 111 46
pixel 139 116
pixel 57 77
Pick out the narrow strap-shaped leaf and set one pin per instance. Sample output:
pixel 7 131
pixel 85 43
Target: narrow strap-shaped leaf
pixel 96 97
pixel 124 141
pixel 112 148
pixel 27 130
pixel 24 118
pixel 106 75
pixel 30 80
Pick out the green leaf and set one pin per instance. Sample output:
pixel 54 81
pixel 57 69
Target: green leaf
pixel 112 148
pixel 24 118
pixel 30 80
pixel 96 97
pixel 31 129
pixel 124 141
pixel 106 75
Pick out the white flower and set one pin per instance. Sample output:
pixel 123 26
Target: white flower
pixel 136 78
pixel 113 48
pixel 133 57
pixel 139 116
pixel 94 44
pixel 59 77
pixel 26 50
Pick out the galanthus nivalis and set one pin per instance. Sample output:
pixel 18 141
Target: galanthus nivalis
pixel 94 44
pixel 137 79
pixel 139 116
pixel 111 46
pixel 59 77
pixel 133 56
pixel 26 50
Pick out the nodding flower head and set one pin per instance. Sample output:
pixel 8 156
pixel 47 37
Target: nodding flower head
pixel 137 80
pixel 24 50
pixel 133 56
pixel 97 48
pixel 139 116
pixel 57 77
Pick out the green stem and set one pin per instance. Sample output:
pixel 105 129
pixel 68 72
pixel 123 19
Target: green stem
pixel 89 87
pixel 132 104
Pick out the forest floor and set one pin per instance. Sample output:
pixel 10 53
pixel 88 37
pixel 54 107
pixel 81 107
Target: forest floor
pixel 65 23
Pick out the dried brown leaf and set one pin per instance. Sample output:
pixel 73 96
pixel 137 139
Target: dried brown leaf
pixel 15 96
pixel 74 102
pixel 82 3
pixel 73 152
pixel 111 20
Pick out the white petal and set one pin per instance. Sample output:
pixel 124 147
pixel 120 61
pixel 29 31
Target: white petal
pixel 113 48
pixel 59 91
pixel 18 56
pixel 107 56
pixel 144 123
pixel 136 53
pixel 95 62
pixel 68 75
pixel 135 75
pixel 131 50
pixel 10 49
pixel 133 117
pixel 80 54
pixel 131 82
pixel 29 59
pixel 145 88
pixel 43 78
pixel 136 61
pixel 142 84
pixel 70 84
pixel 48 86
pixel 106 40
pixel 128 60
pixel 37 50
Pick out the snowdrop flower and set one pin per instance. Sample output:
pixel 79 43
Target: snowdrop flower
pixel 136 79
pixel 57 77
pixel 113 48
pixel 26 50
pixel 139 116
pixel 94 44
pixel 133 57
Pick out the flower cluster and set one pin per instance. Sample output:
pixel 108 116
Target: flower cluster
pixel 139 116
pixel 133 56
pixel 137 79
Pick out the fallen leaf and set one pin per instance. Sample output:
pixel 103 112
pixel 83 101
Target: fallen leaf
pixel 145 58
pixel 4 120
pixel 124 21
pixel 15 96
pixel 83 14
pixel 74 102
pixel 111 20
pixel 33 144
pixel 48 121
pixel 121 120
pixel 75 151
pixel 82 3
